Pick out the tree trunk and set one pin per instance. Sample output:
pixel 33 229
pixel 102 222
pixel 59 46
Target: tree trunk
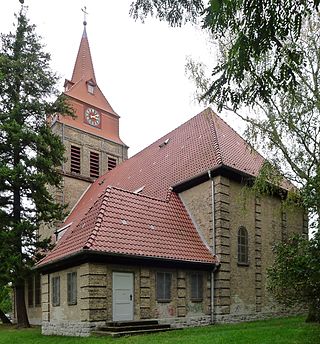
pixel 22 316
pixel 314 312
pixel 4 318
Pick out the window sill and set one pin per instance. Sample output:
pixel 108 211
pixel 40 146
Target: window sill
pixel 196 300
pixel 164 301
pixel 243 264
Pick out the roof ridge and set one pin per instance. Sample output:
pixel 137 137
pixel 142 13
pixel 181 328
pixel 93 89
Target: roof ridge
pixel 210 114
pixel 170 132
pixel 247 143
pixel 105 195
pixel 143 195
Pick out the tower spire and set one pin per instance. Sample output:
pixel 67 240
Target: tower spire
pixel 83 68
pixel 85 13
pixel 83 85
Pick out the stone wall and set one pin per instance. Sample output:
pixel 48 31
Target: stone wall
pixel 241 289
pixel 74 185
pixel 94 304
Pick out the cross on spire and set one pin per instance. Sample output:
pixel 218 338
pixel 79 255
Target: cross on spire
pixel 84 10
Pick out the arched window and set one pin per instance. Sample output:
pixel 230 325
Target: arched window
pixel 243 246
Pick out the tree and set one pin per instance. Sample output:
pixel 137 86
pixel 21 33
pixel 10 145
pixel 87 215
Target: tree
pixel 29 154
pixel 258 28
pixel 287 130
pixel 294 277
pixel 5 304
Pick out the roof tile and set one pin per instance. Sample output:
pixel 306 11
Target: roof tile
pixel 110 217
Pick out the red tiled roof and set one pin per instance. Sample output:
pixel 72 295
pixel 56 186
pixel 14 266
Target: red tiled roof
pixel 201 144
pixel 121 222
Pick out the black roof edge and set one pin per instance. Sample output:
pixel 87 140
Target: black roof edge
pixel 86 256
pixel 225 171
pixel 221 170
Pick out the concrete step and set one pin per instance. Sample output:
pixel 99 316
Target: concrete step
pixel 135 327
pixel 128 333
pixel 132 323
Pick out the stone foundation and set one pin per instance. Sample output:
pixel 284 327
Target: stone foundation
pixel 232 318
pixel 69 328
pixel 192 321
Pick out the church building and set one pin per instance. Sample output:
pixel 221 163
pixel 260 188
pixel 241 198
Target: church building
pixel 168 235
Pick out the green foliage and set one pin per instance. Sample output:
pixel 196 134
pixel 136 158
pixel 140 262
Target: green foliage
pixel 258 29
pixel 29 152
pixel 287 129
pixel 5 299
pixel 294 278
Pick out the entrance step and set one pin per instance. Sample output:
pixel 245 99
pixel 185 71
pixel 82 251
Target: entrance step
pixel 128 328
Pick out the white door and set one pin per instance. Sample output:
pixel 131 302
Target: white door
pixel 122 286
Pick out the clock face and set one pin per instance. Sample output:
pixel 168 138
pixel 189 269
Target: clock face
pixel 92 117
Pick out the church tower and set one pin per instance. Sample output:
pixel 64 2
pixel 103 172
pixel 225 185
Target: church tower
pixel 91 139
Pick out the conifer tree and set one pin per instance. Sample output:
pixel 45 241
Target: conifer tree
pixel 29 154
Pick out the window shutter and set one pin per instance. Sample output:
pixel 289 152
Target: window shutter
pixel 75 159
pixel 37 291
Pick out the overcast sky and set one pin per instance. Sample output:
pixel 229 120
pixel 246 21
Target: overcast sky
pixel 139 67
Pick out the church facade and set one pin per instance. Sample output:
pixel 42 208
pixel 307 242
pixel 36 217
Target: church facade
pixel 170 234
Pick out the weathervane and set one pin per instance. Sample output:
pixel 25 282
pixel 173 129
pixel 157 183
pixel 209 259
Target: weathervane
pixel 84 10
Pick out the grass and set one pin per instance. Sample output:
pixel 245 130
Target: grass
pixel 276 331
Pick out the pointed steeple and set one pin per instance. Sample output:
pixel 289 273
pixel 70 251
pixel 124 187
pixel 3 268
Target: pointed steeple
pixel 83 68
pixel 83 85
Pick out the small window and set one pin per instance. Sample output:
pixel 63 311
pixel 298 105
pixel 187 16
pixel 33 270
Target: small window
pixel 196 287
pixel 75 159
pixel 90 88
pixel 37 290
pixel 55 291
pixel 164 286
pixel 94 164
pixel 30 291
pixel 112 163
pixel 72 288
pixel 243 250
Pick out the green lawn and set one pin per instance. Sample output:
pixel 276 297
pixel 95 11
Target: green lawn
pixel 277 331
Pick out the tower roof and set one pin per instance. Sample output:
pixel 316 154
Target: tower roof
pixel 83 74
pixel 83 68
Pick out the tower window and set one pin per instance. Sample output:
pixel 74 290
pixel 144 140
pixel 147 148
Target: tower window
pixel 75 159
pixel 90 88
pixel 243 249
pixel 112 163
pixel 94 165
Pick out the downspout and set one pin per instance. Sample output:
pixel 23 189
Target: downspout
pixel 63 166
pixel 213 245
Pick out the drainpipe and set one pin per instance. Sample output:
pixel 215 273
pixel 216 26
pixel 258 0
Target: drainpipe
pixel 213 246
pixel 63 166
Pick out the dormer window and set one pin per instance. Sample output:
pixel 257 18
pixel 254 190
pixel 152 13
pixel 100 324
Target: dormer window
pixel 91 85
pixel 90 88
